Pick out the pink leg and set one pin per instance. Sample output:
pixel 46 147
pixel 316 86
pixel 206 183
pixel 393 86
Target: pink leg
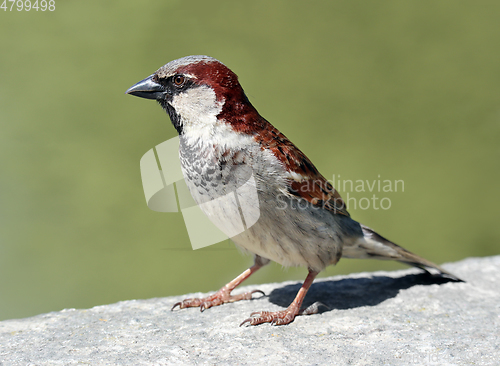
pixel 288 315
pixel 224 294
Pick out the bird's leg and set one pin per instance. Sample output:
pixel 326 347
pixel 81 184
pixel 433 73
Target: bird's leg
pixel 288 315
pixel 224 294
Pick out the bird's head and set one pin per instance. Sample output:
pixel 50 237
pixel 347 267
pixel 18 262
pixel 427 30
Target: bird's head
pixel 199 93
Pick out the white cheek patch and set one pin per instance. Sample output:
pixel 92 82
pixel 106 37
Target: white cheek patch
pixel 198 109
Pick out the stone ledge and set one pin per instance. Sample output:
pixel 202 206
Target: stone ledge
pixel 401 317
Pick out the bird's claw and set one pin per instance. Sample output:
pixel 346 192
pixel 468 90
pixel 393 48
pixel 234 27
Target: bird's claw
pixel 257 291
pixel 273 317
pixel 219 298
pixel 281 317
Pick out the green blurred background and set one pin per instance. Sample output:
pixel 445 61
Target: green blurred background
pixel 406 90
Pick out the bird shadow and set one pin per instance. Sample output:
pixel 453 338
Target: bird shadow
pixel 352 293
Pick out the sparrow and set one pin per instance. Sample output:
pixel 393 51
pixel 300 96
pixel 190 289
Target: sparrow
pixel 302 219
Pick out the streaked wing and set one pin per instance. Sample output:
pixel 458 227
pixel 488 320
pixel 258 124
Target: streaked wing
pixel 305 181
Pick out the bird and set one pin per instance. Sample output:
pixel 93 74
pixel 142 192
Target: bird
pixel 302 221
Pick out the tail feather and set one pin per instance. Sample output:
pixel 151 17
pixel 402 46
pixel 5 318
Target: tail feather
pixel 376 246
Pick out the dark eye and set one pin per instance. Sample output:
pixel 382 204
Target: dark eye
pixel 179 80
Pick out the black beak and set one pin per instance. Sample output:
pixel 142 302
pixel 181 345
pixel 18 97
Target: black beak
pixel 148 89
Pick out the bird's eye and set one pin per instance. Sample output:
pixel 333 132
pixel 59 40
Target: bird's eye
pixel 179 80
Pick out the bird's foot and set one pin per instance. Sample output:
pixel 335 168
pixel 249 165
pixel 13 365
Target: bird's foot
pixel 220 297
pixel 274 317
pixel 281 317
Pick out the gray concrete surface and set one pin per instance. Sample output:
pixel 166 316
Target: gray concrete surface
pixel 381 318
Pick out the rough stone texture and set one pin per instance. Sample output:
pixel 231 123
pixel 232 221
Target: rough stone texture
pixel 390 318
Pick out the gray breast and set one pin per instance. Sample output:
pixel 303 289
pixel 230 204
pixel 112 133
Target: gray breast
pixel 211 173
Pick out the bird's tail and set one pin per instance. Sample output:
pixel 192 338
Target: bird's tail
pixel 376 246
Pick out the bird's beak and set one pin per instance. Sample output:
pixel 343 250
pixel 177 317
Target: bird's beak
pixel 148 89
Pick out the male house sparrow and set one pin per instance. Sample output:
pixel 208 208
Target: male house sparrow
pixel 303 220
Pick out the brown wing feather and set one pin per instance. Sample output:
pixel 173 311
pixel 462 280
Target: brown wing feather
pixel 305 180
